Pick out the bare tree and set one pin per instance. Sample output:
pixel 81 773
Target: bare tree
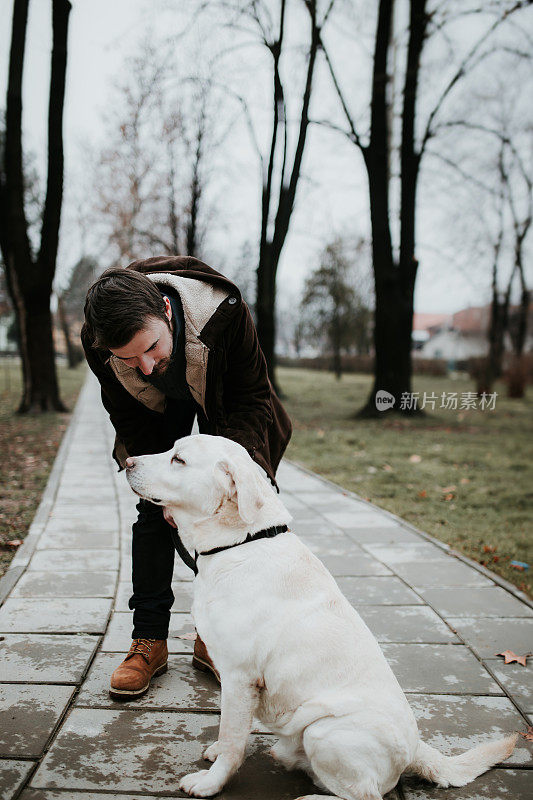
pixel 155 169
pixel 396 266
pixel 29 276
pixel 70 303
pixel 280 168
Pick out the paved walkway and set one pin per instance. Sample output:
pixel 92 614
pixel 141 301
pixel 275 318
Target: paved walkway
pixel 65 623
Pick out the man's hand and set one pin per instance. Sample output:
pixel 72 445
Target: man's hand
pixel 169 518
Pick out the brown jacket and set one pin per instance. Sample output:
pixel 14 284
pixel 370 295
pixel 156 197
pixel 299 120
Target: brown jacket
pixel 225 370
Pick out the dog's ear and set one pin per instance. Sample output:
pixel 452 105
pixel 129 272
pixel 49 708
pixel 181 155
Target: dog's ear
pixel 240 482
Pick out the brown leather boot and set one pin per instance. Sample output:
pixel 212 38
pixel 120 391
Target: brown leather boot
pixel 201 659
pixel 146 659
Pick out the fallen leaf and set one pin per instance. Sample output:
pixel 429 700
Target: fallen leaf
pixel 449 496
pixel 448 489
pixel 423 493
pixel 509 657
pixel 387 467
pixel 496 559
pixel 190 636
pixel 528 734
pixel 489 548
pixel 414 459
pixel 464 481
pixel 14 543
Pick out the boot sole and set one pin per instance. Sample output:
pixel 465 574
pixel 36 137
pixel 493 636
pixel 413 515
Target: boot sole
pixel 132 694
pixel 203 666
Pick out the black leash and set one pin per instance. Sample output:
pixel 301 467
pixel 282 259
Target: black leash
pixel 266 533
pixel 182 551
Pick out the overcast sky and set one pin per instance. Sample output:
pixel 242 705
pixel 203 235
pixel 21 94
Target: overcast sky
pixel 103 32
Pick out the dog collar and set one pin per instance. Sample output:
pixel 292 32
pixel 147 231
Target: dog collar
pixel 266 533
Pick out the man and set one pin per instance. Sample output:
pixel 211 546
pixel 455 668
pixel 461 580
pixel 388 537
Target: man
pixel 170 339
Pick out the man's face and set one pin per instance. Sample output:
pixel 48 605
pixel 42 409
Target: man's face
pixel 151 348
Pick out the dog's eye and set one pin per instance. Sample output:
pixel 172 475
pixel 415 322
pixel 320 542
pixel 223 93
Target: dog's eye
pixel 177 460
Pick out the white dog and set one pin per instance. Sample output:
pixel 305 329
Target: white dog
pixel 289 647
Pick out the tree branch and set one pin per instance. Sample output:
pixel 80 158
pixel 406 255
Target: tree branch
pixel 463 66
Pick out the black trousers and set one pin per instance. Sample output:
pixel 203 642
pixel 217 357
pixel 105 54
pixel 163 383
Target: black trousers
pixel 153 546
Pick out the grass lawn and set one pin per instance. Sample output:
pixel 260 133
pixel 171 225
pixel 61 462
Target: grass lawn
pixel 28 444
pixel 465 477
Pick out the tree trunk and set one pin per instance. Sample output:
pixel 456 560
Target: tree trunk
pixel 265 307
pixel 30 279
pixel 271 247
pixel 72 357
pixel 41 390
pixel 394 283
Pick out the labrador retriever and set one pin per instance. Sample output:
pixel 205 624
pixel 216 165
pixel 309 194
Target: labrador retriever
pixel 289 647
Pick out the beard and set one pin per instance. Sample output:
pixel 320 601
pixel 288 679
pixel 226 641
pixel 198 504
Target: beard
pixel 162 366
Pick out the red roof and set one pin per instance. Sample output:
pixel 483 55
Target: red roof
pixel 423 322
pixel 472 320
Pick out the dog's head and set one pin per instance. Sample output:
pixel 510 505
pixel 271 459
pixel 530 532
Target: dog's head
pixel 200 477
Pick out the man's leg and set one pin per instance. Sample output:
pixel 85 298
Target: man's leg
pixel 153 563
pixel 152 568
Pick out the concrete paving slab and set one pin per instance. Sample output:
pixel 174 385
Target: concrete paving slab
pixel 28 715
pixel 316 528
pixel 331 500
pixel 439 669
pixel 83 524
pixel 517 680
pixel 454 724
pixel 359 519
pixel 54 615
pixel 301 483
pixel 72 540
pixel 85 527
pixel 407 552
pixel 377 591
pixel 37 658
pixel 50 794
pixel 149 752
pixel 12 775
pixel 387 534
pixel 118 635
pixel 490 636
pixel 83 560
pixel 498 784
pixel 91 511
pixel 337 546
pixel 66 584
pixel 293 503
pixel 406 624
pixel 182 688
pixel 483 601
pixel 360 564
pixel 98 493
pixel 420 574
pixel 182 590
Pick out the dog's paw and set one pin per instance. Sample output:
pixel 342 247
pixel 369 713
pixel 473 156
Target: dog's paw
pixel 211 752
pixel 200 784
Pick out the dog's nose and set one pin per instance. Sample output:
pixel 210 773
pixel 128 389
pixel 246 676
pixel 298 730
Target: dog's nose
pixel 130 463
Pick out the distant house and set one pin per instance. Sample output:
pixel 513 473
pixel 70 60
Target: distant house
pixel 456 337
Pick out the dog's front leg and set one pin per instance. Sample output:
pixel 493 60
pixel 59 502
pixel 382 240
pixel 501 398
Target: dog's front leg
pixel 238 703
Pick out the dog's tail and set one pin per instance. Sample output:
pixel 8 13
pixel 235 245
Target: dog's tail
pixel 460 770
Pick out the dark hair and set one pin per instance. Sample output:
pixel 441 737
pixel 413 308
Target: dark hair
pixel 118 304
